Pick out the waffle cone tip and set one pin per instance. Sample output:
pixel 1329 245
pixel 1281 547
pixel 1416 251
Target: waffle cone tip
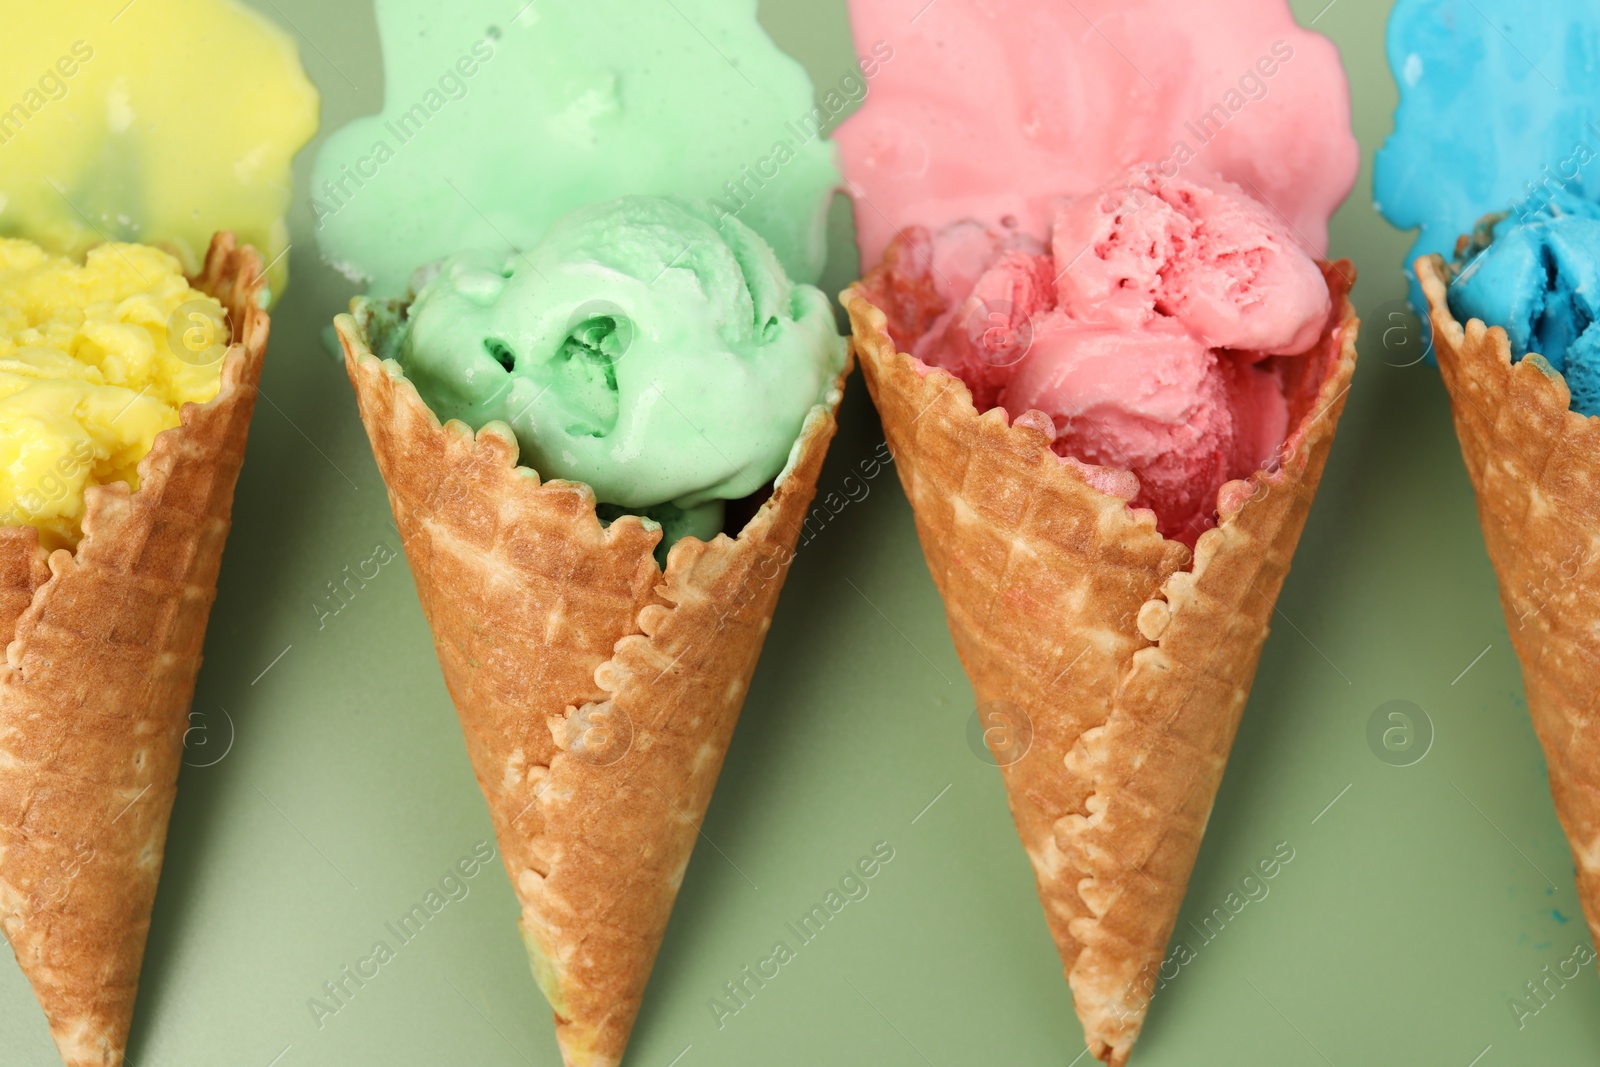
pixel 580 1045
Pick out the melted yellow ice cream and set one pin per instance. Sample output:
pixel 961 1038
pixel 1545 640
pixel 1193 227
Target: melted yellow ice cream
pixel 160 121
pixel 95 360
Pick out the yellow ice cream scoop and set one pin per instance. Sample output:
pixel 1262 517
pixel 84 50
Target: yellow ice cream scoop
pixel 160 121
pixel 96 358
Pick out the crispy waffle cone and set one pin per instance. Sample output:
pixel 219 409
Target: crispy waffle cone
pixel 1535 469
pixel 597 694
pixel 104 646
pixel 1072 615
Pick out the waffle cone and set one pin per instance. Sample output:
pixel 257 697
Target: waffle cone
pixel 1075 622
pixel 597 693
pixel 103 649
pixel 1535 469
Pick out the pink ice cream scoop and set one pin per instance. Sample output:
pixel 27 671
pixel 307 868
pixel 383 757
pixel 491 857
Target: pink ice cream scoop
pixel 992 109
pixel 1147 333
pixel 1206 255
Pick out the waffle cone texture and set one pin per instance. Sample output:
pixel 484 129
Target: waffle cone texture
pixel 597 693
pixel 103 646
pixel 1535 470
pixel 1077 621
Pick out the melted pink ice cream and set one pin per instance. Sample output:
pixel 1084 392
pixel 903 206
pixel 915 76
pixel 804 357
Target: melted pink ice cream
pixel 1144 319
pixel 1144 333
pixel 991 109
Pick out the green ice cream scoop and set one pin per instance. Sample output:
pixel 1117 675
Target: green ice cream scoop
pixel 650 347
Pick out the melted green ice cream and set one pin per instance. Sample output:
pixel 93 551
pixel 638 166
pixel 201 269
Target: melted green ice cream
pixel 496 122
pixel 650 347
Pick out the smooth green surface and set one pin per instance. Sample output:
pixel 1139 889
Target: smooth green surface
pixel 1415 906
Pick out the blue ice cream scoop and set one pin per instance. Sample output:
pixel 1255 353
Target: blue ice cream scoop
pixel 1539 279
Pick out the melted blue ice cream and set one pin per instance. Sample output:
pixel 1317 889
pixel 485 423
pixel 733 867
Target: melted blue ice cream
pixel 1499 112
pixel 1498 132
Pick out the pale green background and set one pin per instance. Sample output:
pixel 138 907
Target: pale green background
pixel 1414 907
